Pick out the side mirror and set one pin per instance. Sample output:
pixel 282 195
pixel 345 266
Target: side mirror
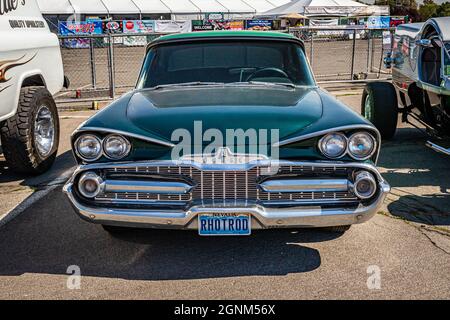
pixel 426 43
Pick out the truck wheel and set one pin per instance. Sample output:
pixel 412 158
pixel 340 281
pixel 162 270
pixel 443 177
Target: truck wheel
pixel 379 106
pixel 30 139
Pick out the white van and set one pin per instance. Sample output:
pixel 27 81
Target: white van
pixel 31 72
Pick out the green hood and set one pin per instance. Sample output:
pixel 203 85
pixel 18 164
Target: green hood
pixel 161 112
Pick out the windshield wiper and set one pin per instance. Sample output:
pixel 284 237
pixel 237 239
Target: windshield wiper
pixel 187 84
pixel 262 83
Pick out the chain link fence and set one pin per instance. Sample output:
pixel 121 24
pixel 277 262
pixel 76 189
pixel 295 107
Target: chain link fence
pixel 346 54
pixel 101 67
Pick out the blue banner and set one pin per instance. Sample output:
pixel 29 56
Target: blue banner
pixel 80 28
pixel 378 22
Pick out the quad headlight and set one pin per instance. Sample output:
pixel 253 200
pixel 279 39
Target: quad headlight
pixel 88 147
pixel 116 147
pixel 361 146
pixel 333 145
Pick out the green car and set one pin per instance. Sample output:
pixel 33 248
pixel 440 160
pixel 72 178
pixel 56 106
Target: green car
pixel 226 133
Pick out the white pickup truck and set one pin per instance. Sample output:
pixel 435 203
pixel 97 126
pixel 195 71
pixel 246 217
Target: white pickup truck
pixel 31 72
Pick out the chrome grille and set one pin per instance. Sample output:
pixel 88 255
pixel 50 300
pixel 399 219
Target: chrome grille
pixel 227 185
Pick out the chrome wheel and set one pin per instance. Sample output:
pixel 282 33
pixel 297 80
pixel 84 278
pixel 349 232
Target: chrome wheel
pixel 44 131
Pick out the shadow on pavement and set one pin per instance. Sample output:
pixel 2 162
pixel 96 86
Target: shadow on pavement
pixel 415 172
pixel 49 237
pixel 63 162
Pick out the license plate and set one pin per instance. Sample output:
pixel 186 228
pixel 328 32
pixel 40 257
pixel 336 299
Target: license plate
pixel 234 224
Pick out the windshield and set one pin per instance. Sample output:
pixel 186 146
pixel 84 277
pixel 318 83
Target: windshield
pixel 209 62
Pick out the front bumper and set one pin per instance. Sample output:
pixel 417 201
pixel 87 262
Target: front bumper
pixel 263 217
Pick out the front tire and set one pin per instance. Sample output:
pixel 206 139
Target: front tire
pixel 30 139
pixel 380 106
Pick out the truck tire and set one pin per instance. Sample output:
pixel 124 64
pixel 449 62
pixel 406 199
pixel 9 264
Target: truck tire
pixel 30 139
pixel 380 106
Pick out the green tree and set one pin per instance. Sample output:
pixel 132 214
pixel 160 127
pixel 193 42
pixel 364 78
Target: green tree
pixel 401 8
pixel 443 10
pixel 428 10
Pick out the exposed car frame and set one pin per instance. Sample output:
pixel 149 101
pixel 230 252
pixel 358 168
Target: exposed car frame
pixel 420 90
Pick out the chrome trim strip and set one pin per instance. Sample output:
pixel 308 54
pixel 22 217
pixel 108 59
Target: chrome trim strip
pixel 125 134
pixel 152 187
pixel 306 185
pixel 270 165
pixel 438 148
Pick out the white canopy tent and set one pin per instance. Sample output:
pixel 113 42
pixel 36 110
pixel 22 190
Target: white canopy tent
pixel 260 5
pixel 121 7
pixel 153 6
pixel 55 7
pixel 187 9
pixel 318 8
pixel 278 3
pixel 181 6
pixel 209 6
pixel 236 6
pixel 88 6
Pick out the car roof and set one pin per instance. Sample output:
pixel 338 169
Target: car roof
pixel 225 34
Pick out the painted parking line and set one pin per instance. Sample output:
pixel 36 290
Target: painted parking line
pixel 35 197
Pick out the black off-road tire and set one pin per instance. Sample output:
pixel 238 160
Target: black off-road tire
pixel 17 133
pixel 340 229
pixel 384 107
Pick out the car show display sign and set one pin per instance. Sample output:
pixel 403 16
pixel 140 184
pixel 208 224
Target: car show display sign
pixel 259 25
pixel 375 22
pixel 171 26
pixel 113 27
pixel 79 28
pixel 210 25
pixel 136 27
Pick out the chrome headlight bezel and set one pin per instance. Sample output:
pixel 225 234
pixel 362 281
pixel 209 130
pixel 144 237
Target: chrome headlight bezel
pixel 125 141
pixel 323 141
pixel 77 147
pixel 372 151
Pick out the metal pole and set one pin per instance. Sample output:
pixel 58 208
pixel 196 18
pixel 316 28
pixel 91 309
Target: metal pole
pixel 311 53
pixel 353 54
pixel 112 84
pixel 92 60
pixel 368 52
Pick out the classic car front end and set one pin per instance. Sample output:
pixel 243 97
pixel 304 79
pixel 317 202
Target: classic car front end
pixel 157 157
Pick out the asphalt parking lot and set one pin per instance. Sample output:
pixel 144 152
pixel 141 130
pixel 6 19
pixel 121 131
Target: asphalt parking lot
pixel 408 242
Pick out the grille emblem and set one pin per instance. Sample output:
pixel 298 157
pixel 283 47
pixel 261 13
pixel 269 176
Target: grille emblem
pixel 224 156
